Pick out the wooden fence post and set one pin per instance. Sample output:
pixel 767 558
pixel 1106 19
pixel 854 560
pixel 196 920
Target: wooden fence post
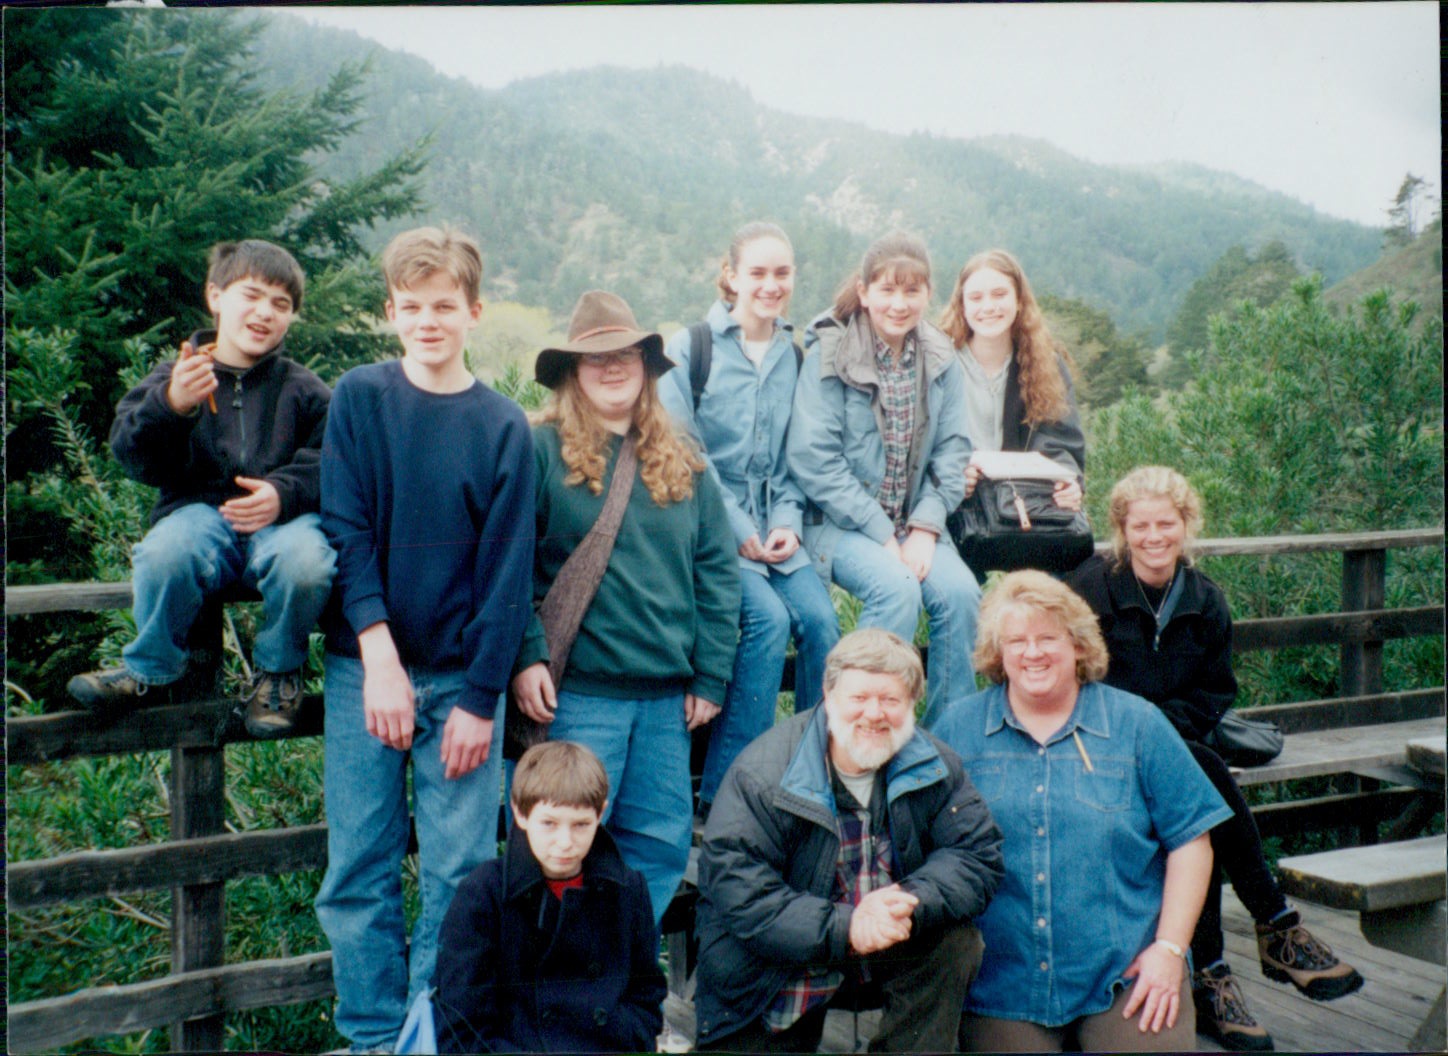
pixel 1364 583
pixel 1364 578
pixel 198 808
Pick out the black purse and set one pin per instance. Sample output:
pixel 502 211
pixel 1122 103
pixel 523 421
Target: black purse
pixel 1245 742
pixel 1015 523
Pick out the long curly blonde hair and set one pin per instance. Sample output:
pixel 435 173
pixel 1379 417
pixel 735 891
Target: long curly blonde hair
pixel 1043 390
pixel 667 459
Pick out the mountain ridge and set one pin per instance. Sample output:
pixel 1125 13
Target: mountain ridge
pixel 635 179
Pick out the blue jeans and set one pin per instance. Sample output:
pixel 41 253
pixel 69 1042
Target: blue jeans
pixel 365 789
pixel 644 748
pixel 193 552
pixel 770 607
pixel 892 597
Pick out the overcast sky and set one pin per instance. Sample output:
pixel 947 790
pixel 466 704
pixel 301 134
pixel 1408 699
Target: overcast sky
pixel 1331 103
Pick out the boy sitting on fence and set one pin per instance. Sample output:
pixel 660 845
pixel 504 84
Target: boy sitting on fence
pixel 428 496
pixel 553 947
pixel 231 434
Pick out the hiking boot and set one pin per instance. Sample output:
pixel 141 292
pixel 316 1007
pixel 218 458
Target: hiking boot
pixel 1222 1011
pixel 272 705
pixel 1290 954
pixel 113 691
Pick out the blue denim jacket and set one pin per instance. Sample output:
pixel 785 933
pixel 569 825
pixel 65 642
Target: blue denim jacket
pixel 741 423
pixel 1085 846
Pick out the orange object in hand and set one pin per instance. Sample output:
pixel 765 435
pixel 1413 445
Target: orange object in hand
pixel 187 350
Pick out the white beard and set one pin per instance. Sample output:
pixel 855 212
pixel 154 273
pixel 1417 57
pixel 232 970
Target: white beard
pixel 868 756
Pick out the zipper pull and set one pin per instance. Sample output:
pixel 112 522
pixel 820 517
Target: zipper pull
pixel 236 395
pixel 1025 517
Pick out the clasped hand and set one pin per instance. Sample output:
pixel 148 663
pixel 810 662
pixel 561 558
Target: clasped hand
pixel 882 919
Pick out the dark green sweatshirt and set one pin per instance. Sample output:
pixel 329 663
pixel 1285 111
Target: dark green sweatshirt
pixel 665 619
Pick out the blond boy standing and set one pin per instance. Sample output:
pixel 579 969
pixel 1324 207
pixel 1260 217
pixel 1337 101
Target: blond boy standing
pixel 428 496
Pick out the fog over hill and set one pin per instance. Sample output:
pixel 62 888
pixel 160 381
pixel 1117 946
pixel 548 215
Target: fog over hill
pixel 634 180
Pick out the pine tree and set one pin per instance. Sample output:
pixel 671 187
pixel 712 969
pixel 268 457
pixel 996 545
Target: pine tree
pixel 1404 212
pixel 134 141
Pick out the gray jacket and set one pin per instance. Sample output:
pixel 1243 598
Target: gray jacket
pixel 836 450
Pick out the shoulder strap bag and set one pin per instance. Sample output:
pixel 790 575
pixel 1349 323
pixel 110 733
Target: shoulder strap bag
pixel 570 596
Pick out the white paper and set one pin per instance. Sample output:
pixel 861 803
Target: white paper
pixel 1027 465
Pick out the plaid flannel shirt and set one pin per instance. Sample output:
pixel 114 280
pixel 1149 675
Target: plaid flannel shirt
pixel 864 865
pixel 897 406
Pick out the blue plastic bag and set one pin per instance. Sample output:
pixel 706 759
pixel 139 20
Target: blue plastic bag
pixel 419 1033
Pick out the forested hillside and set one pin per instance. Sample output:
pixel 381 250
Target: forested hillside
pixel 634 179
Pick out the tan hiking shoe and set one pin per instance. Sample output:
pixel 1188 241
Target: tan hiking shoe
pixel 272 705
pixel 1291 954
pixel 1222 1011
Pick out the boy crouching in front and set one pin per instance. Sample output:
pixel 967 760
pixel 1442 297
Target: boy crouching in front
pixel 231 435
pixel 551 948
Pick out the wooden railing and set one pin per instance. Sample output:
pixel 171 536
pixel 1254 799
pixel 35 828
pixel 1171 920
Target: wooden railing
pixel 200 858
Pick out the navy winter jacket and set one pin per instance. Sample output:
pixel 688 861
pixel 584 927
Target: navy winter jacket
pixel 521 971
pixel 767 867
pixel 269 423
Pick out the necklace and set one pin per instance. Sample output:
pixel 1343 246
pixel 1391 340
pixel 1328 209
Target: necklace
pixel 1156 610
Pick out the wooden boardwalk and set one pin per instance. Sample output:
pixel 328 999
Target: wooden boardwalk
pixel 1381 1017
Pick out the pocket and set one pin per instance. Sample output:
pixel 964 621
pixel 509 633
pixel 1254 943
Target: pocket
pixel 1106 788
pixel 989 779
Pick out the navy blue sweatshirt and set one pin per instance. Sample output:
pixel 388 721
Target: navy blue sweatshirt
pixel 428 499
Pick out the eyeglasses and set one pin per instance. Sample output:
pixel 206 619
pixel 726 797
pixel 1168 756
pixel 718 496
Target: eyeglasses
pixel 625 357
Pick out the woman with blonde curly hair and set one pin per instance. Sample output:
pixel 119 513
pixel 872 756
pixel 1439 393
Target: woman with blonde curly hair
pixel 655 646
pixel 1018 390
pixel 1169 632
pixel 1106 850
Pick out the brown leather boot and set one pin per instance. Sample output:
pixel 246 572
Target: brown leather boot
pixel 1291 954
pixel 1222 1011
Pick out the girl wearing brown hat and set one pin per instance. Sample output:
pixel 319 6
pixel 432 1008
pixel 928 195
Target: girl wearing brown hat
pixel 655 645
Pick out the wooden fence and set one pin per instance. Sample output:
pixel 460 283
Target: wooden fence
pixel 200 857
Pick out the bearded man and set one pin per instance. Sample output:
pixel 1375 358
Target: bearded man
pixel 844 859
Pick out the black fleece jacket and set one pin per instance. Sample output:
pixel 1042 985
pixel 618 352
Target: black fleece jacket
pixel 1187 671
pixel 269 423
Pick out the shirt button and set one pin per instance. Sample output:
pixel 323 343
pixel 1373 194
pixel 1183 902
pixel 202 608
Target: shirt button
pixel 1040 788
pixel 1045 967
pixel 1040 878
pixel 1040 751
pixel 1040 922
pixel 1041 832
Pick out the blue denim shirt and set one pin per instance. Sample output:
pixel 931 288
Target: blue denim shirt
pixel 1085 846
pixel 741 423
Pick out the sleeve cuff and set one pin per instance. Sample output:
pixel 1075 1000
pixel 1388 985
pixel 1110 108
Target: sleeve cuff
pixel 709 688
pixel 362 613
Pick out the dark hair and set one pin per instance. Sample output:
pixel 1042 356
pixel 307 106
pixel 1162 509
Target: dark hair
pixel 899 253
pixel 560 772
pixel 254 259
pixel 755 229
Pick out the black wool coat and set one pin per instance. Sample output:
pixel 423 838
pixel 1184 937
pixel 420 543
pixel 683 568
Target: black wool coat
pixel 521 971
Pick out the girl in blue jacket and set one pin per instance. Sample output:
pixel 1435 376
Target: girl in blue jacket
pixel 748 364
pixel 879 445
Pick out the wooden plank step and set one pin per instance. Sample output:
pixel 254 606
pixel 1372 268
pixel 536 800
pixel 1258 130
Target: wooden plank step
pixel 1341 751
pixel 1372 878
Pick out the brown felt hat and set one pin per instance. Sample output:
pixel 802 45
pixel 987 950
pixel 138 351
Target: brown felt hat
pixel 601 322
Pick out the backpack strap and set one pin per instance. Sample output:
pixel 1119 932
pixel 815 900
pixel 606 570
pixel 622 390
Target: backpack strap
pixel 701 356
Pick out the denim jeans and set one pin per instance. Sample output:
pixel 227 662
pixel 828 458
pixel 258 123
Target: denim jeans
pixel 891 597
pixel 365 789
pixel 193 552
pixel 770 607
pixel 644 748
